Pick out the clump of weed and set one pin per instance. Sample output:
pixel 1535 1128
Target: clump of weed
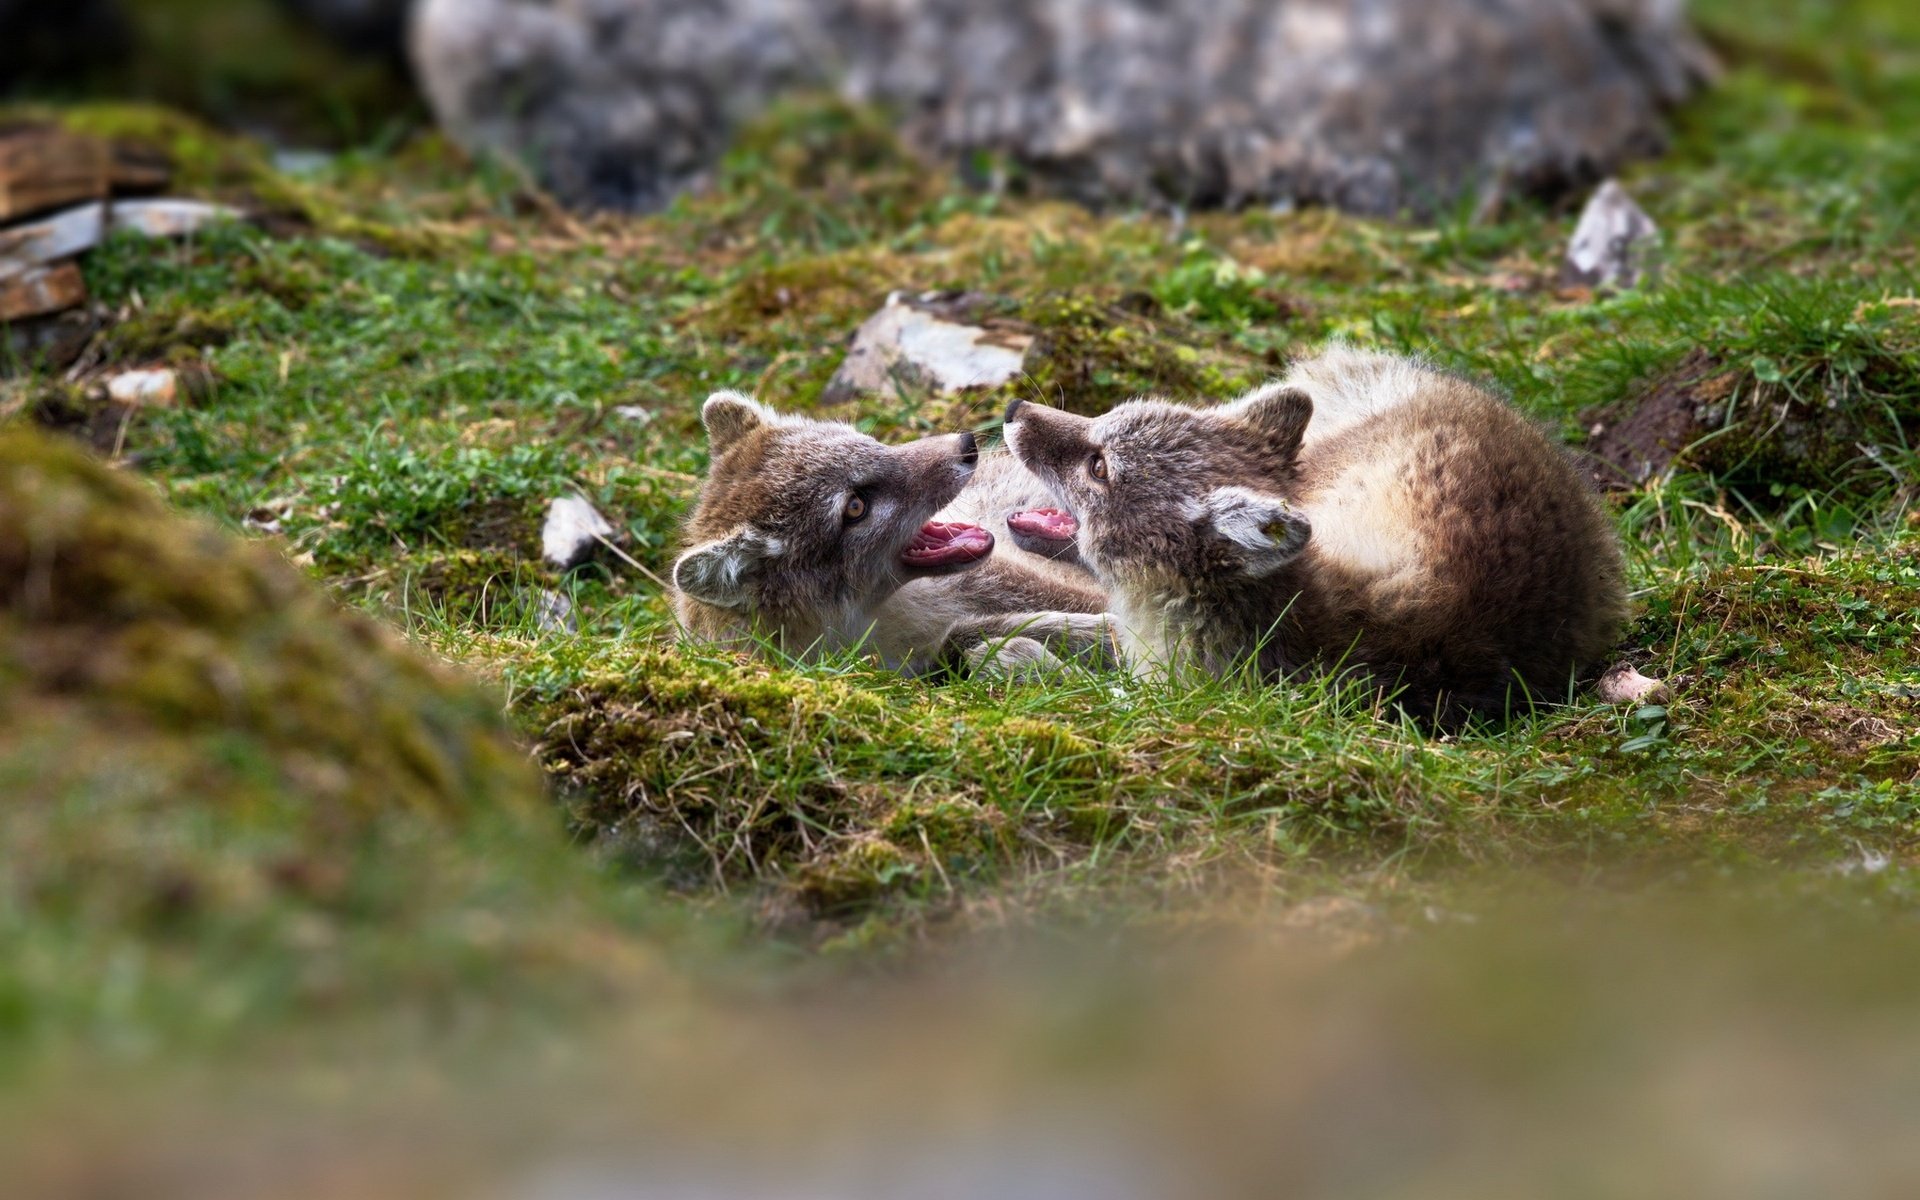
pixel 1095 353
pixel 170 330
pixel 1217 290
pixel 837 785
pixel 728 754
pixel 457 496
pixel 1775 389
pixel 817 173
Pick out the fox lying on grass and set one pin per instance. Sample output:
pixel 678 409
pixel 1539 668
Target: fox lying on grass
pixel 820 538
pixel 1367 514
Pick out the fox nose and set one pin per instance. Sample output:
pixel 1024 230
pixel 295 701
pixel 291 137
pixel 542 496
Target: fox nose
pixel 969 450
pixel 1013 410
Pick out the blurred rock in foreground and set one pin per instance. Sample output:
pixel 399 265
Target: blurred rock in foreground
pixel 228 731
pixel 1376 106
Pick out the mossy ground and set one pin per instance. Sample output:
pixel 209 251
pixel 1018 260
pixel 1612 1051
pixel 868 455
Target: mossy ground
pixel 226 798
pixel 411 356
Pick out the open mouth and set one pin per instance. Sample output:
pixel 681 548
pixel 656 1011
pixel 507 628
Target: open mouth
pixel 945 544
pixel 1044 524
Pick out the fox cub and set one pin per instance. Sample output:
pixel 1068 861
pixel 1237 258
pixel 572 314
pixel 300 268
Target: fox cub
pixel 1366 513
pixel 822 538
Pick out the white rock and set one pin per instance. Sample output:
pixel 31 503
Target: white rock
pixel 168 218
pixel 79 229
pixel 1613 246
pixel 572 532
pixel 1622 684
pixel 924 344
pixel 553 612
pixel 156 388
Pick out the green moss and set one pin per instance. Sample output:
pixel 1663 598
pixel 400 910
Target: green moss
pixel 1049 747
pixel 957 828
pixel 172 330
pixel 172 626
pixel 633 737
pixel 1095 353
pixel 202 158
pixel 202 752
pixel 814 171
pixel 854 874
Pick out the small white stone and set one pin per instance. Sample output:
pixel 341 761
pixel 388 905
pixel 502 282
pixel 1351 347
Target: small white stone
pixel 168 218
pixel 1614 243
pixel 155 388
pixel 553 612
pixel 1622 684
pixel 572 531
pixel 302 162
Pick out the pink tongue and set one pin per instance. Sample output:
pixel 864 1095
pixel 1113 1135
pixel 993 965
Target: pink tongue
pixel 940 544
pixel 1048 523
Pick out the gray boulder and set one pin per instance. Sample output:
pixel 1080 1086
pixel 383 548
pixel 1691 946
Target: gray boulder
pixel 1376 106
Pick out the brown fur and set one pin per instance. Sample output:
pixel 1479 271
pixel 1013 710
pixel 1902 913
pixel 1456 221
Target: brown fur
pixel 1427 535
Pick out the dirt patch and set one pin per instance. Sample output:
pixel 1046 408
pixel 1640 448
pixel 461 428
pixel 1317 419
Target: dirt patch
pixel 1630 443
pixel 1819 431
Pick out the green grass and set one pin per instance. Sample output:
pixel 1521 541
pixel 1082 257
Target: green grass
pixel 418 356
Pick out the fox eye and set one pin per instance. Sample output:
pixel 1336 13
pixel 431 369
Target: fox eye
pixel 856 508
pixel 1097 466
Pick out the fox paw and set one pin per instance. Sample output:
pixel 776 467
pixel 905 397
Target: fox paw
pixel 1014 660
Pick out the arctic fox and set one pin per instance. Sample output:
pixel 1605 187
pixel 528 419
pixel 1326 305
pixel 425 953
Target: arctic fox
pixel 819 536
pixel 1365 513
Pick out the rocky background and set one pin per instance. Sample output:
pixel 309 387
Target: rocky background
pixel 1372 105
pixel 1375 106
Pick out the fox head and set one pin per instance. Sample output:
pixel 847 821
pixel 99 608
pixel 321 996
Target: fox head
pixel 804 525
pixel 1166 495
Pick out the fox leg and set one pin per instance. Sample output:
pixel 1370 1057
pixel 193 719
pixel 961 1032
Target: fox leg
pixel 1086 637
pixel 1013 660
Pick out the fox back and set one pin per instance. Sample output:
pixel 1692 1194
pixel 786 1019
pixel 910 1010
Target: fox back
pixel 1366 513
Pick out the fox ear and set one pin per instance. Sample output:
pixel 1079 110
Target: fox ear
pixel 1267 532
pixel 1278 416
pixel 729 416
pixel 722 572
